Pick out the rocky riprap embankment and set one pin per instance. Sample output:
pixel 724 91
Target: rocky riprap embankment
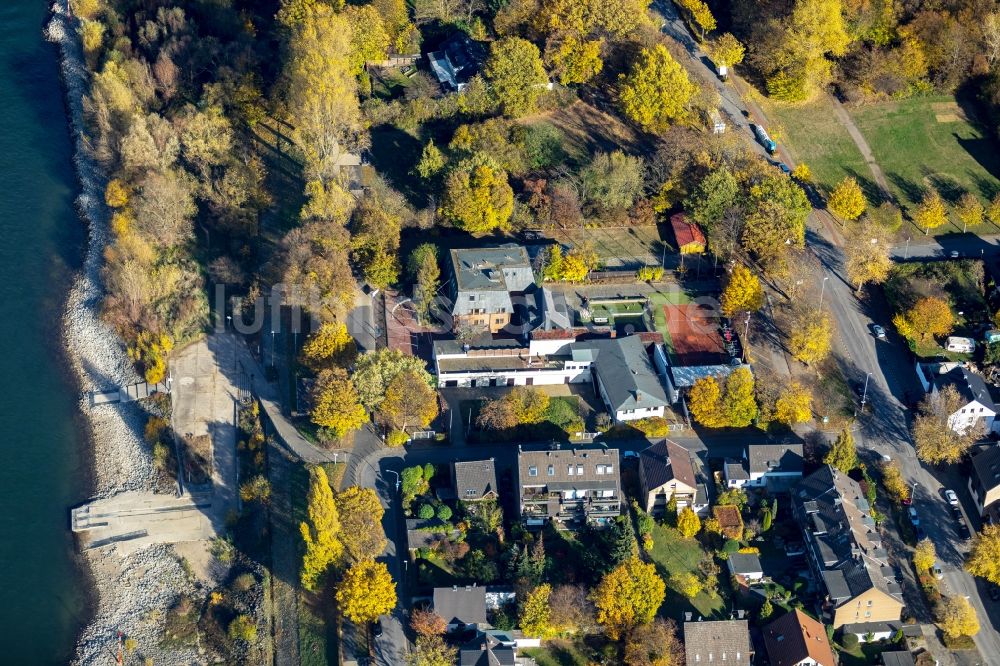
pixel 134 592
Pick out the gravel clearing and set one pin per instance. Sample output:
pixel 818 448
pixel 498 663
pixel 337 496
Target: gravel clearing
pixel 133 592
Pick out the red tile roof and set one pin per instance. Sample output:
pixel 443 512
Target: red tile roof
pixel 795 636
pixel 686 232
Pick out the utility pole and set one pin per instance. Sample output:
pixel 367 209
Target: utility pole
pixel 822 292
pixel 864 394
pixel 906 255
pixel 746 335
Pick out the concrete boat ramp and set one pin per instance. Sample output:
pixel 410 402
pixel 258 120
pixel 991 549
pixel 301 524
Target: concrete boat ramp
pixel 134 520
pixel 128 393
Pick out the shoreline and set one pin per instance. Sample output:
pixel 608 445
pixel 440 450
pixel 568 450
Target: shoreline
pixel 129 594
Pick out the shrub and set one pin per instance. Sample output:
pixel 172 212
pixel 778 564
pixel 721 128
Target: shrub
pixel 654 426
pixel 649 274
pixel 244 582
pixel 849 641
pixel 444 512
pixel 243 628
pixel 731 546
pixel 426 511
pixel 396 438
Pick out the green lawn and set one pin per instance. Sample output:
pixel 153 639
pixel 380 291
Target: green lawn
pixel 929 141
pixel 812 134
pixel 631 247
pixel 673 554
pixel 559 653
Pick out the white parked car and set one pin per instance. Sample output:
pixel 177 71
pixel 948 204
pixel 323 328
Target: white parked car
pixel 951 497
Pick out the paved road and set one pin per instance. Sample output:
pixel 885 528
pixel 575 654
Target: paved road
pixel 922 247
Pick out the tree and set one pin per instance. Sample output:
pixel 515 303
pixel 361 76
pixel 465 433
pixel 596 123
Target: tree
pixel 409 402
pixel 425 622
pixel 574 60
pixel 932 212
pixel 701 15
pixel 867 255
pixel 623 545
pixel 628 596
pixel 686 583
pixel 322 90
pixel 366 591
pixel 929 317
pixel 570 611
pixel 426 275
pixel 738 401
pixel 317 268
pixel 256 489
pixel 413 482
pixel 993 212
pixel 809 340
pixel 361 523
pixel 766 523
pixel 957 617
pixel 515 72
pixel 704 403
pixel 374 371
pixel 654 644
pixel 814 30
pixel 432 161
pixel 534 616
pixel 892 481
pixel 432 651
pixel 477 196
pixel 335 404
pixel 843 455
pixel 924 556
pixel 847 201
pixel 612 181
pixel 794 405
pixel 320 532
pixel 970 210
pixel 578 262
pixel 330 345
pixel 369 39
pixel 743 292
pixel 717 193
pixel 983 559
pixel 934 438
pixel 243 628
pixel 726 51
pixel 656 92
pixel 732 497
pixel 688 522
pixel 497 414
pixel 529 404
pixel 766 610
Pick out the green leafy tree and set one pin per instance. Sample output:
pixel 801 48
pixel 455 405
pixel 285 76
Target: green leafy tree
pixel 426 275
pixel 716 193
pixel 477 196
pixel 535 613
pixel 657 92
pixel 624 545
pixel 516 75
pixel 374 371
pixel 432 161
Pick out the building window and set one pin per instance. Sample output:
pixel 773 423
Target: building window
pixel 963 410
pixel 469 492
pixel 552 470
pixel 579 470
pixel 472 298
pixel 532 471
pixel 569 470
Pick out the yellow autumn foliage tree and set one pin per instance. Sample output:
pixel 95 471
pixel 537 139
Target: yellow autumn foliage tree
pixel 320 531
pixel 335 404
pixel 794 405
pixel 847 201
pixel 657 91
pixel 957 617
pixel 536 614
pixel 931 212
pixel 329 346
pixel 743 292
pixel 688 523
pixel 628 596
pixel 366 592
pixel 928 318
pixel 983 559
pixel 810 338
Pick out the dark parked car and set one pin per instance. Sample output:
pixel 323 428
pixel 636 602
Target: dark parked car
pixel 956 512
pixel 963 531
pixel 994 592
pixel 921 535
pixel 377 628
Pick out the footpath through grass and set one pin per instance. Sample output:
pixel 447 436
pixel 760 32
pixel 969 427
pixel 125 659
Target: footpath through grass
pixel 930 141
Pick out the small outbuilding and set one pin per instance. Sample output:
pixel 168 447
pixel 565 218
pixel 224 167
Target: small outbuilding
pixel 690 238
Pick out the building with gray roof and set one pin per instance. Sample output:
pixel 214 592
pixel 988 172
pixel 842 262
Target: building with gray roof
pixel 717 642
pixel 570 487
pixel 474 480
pixel 668 470
pixel 746 566
pixel 625 377
pixel 489 648
pixel 984 482
pixel 845 550
pixel 977 406
pixel 483 282
pixel 461 606
pixel 897 658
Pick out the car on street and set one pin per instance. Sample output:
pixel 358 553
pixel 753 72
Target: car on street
pixel 377 628
pixel 630 454
pixel 951 497
pixel 914 518
pixel 956 512
pixel 994 592
pixel 784 168
pixel 879 331
pixel 954 254
pixel 921 535
pixel 963 531
pixel 937 571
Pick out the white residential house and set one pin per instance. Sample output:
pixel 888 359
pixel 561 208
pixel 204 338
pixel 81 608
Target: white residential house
pixel 548 359
pixel 977 407
pixel 624 377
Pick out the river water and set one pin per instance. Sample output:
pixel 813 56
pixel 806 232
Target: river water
pixel 42 462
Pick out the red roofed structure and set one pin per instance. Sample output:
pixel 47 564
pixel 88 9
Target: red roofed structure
pixel 690 239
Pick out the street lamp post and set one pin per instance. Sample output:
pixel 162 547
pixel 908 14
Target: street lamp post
pixel 864 394
pixel 822 292
pixel 274 349
pixel 746 336
pixel 906 255
pixel 398 483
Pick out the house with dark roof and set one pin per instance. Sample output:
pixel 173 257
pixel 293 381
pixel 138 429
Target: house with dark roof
pixel 777 466
pixel 746 567
pixel 456 61
pixel 795 639
pixel 488 648
pixel 624 377
pixel 984 482
pixel 844 549
pixel 977 407
pixel 717 642
pixel 666 470
pixel 897 658
pixel 474 480
pixel 570 487
pixel 462 607
pixel 485 283
pixel 689 237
